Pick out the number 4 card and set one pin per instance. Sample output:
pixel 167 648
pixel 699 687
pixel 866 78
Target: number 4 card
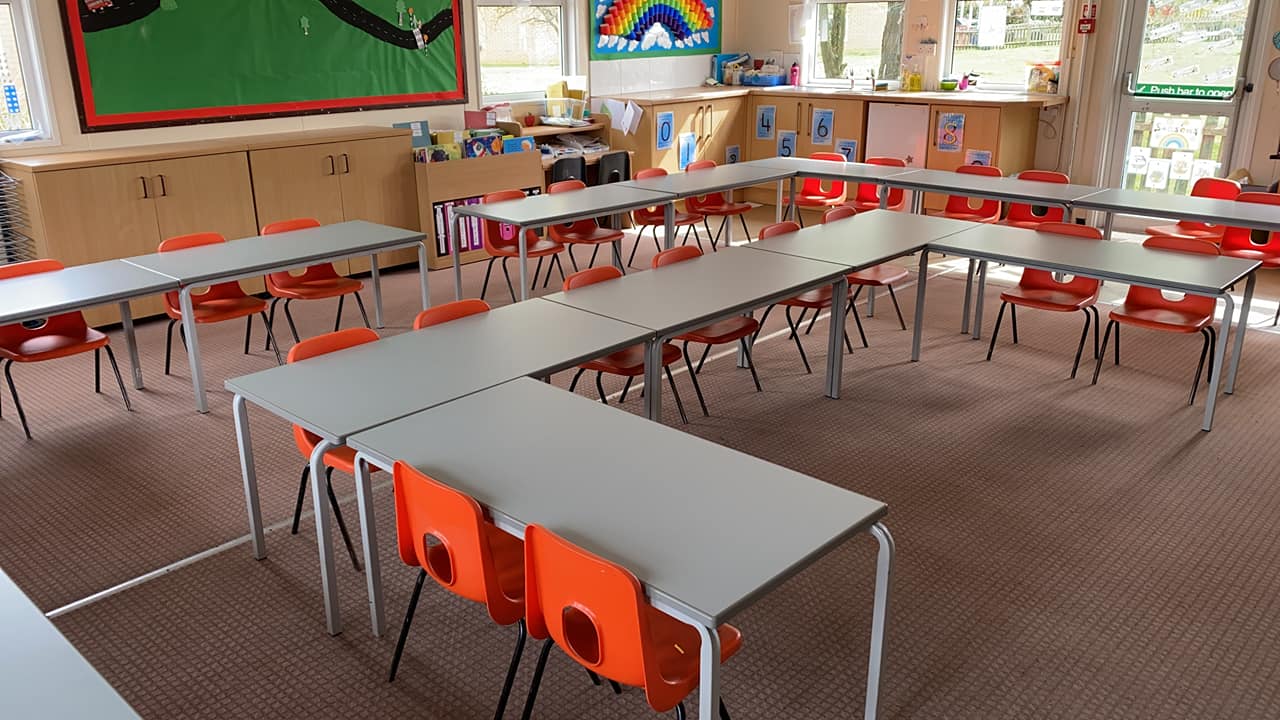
pixel 764 121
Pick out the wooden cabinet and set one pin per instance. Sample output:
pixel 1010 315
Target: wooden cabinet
pixel 1008 134
pixel 715 124
pixel 724 121
pixel 848 119
pixel 786 117
pixel 292 182
pixel 378 185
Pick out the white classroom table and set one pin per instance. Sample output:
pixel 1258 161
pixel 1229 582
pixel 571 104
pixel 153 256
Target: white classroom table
pixel 1114 202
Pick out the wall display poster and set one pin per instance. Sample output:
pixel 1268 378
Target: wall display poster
pixel 764 121
pixel 1180 165
pixel 666 135
pixel 977 157
pixel 848 148
pixel 1139 158
pixel 1157 174
pixel 732 154
pixel 822 126
pixel 1203 169
pixel 688 149
pixel 145 63
pixel 786 143
pixel 1173 132
pixel 624 29
pixel 950 132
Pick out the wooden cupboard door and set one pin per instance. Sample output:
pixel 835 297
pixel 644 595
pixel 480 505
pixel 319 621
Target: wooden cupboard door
pixel 295 182
pixel 686 118
pixel 379 185
pixel 981 134
pixel 786 114
pixel 725 121
pixel 206 193
pixel 101 213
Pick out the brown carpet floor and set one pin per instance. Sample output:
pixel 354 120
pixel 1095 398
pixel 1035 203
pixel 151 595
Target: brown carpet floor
pixel 1064 551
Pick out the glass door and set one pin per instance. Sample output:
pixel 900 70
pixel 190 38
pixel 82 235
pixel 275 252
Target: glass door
pixel 1182 86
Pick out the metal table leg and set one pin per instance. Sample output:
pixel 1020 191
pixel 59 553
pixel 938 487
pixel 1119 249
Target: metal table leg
pixel 377 291
pixel 982 291
pixel 777 209
pixel 709 672
pixel 835 344
pixel 921 276
pixel 131 341
pixel 1219 357
pixel 669 225
pixel 884 196
pixel 1241 326
pixel 422 275
pixel 1108 222
pixel 249 471
pixel 968 297
pixel 369 536
pixel 455 232
pixel 794 210
pixel 193 347
pixel 524 263
pixel 320 502
pixel 879 617
pixel 653 379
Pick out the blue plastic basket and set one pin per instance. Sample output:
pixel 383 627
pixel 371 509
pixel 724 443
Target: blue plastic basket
pixel 764 80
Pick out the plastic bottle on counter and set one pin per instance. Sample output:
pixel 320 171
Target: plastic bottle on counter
pixel 795 73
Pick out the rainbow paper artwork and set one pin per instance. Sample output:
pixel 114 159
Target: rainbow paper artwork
pixel 649 28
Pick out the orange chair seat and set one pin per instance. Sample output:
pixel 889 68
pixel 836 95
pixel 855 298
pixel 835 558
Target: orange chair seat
pixel 865 205
pixel 597 236
pixel 1270 259
pixel 1167 319
pixel 967 217
pixel 1048 299
pixel 879 275
pixel 629 362
pixel 818 299
pixel 536 246
pixel 1024 224
pixel 819 200
pixel 220 309
pixel 677 646
pixel 318 289
pixel 724 331
pixel 727 208
pixel 1181 231
pixel 681 219
pixel 51 347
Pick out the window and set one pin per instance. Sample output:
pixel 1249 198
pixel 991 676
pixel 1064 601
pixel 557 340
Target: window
pixel 23 112
pixel 1002 40
pixel 525 45
pixel 857 39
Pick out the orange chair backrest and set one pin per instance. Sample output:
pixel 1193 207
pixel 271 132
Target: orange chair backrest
pixel 1084 231
pixel 675 255
pixel 650 215
pixel 781 228
pixel 1044 280
pixel 964 204
pixel 1238 238
pixel 444 532
pixel 320 345
pixel 1141 296
pixel 1023 212
pixel 323 271
pixel 591 276
pixel 495 235
pixel 839 212
pixel 71 323
pixel 577 226
pixel 870 192
pixel 449 311
pixel 221 291
pixel 592 608
pixel 815 187
pixel 1216 188
pixel 696 204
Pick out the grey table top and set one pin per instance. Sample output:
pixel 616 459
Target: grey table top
pixel 689 294
pixel 1184 207
pixel 711 180
pixel 705 528
pixel 831 170
pixel 77 287
pixel 41 674
pixel 865 239
pixel 275 252
pixel 341 393
pixel 995 188
pixel 551 208
pixel 1107 260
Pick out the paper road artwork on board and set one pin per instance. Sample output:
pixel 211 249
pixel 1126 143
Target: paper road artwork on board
pixel 139 63
pixel 624 29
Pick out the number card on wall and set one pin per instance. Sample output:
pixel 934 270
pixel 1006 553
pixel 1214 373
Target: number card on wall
pixel 666 130
pixel 764 121
pixel 786 143
pixel 688 149
pixel 950 132
pixel 732 154
pixel 820 131
pixel 848 148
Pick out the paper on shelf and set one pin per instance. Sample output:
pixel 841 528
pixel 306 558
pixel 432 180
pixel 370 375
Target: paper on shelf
pixel 616 110
pixel 631 117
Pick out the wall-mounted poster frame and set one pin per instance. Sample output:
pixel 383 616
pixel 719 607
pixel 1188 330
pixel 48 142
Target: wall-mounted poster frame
pixel 625 29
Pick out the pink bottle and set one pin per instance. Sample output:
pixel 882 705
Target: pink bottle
pixel 795 73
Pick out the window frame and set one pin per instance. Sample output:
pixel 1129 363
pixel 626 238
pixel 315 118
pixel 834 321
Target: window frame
pixel 568 45
pixel 1064 42
pixel 810 49
pixel 26 30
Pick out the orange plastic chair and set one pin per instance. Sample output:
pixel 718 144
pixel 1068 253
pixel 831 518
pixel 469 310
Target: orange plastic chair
pixel 596 611
pixel 883 275
pixel 317 282
pixel 1146 307
pixel 653 218
pixel 817 300
pixel 1208 187
pixel 815 193
pixel 735 329
pixel 1238 242
pixel 500 242
pixel 1030 216
pixel 455 310
pixel 866 196
pixel 341 458
pixel 581 232
pixel 961 207
pixel 219 303
pixel 446 535
pixel 716 205
pixel 54 337
pixel 1039 289
pixel 627 362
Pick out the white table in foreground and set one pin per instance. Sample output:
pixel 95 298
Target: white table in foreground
pixel 41 674
pixel 198 267
pixel 706 542
pixel 1114 202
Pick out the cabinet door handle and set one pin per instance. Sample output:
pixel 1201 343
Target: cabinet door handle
pixel 146 193
pixel 346 164
pixel 333 169
pixel 164 188
pixel 934 129
pixel 708 122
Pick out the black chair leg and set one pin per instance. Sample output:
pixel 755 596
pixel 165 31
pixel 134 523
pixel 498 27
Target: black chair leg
pixel 694 377
pixel 537 270
pixel 1106 336
pixel 760 329
pixel 484 287
pixel 996 332
pixel 746 232
pixel 724 711
pixel 404 628
pixel 680 711
pixel 600 388
pixel 676 394
pixel 507 274
pixel 302 494
pixel 1084 335
pixel 862 334
pixel 1097 328
pixel 537 680
pixel 714 238
pixel 901 323
pixel 751 365
pixel 271 319
pixel 248 332
pixel 1013 318
pixel 576 376
pixel 705 352
pixel 795 336
pixel 13 390
pixel 804 312
pixel 1117 343
pixel 97 370
pixel 1213 344
pixel 1276 319
pixel 617 689
pixel 1204 352
pixel 168 344
pixel 360 306
pixel 595 250
pixel 812 321
pixel 271 338
pixel 337 319
pixel 521 634
pixel 293 328
pixel 111 357
pixel 626 387
pixel 337 515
